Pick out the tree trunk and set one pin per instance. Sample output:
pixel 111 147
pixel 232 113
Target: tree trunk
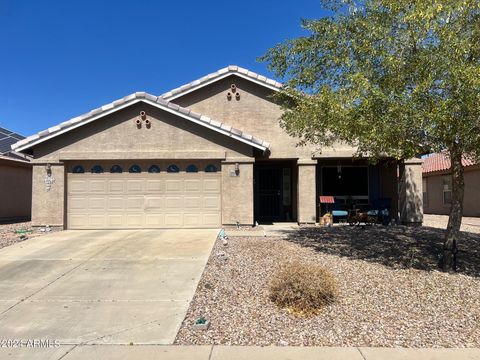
pixel 456 213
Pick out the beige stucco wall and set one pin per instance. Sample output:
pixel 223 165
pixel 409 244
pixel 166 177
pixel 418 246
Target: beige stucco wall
pixel 306 191
pixel 471 201
pixel 237 193
pixel 48 206
pixel 410 192
pixel 116 136
pixel 15 190
pixel 256 113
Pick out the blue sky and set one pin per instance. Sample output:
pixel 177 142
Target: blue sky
pixel 60 59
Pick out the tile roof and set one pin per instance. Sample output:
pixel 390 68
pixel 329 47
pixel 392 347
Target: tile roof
pixel 157 101
pixel 441 162
pixel 220 74
pixel 7 138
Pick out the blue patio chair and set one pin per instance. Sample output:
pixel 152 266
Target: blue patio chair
pixel 381 210
pixel 338 212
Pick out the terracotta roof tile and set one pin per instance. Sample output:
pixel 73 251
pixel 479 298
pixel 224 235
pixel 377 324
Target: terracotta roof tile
pixel 441 162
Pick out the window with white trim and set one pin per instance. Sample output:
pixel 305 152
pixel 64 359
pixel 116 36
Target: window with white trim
pixel 447 190
pixel 424 190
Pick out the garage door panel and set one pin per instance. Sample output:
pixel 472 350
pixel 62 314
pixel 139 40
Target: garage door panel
pixel 174 186
pixel 173 203
pixel 96 221
pixel 115 220
pixel 78 203
pixel 78 186
pixel 155 220
pixel 135 186
pixel 135 220
pixel 154 203
pixel 77 221
pixel 192 220
pixel 115 186
pixel 193 202
pixel 156 186
pixel 211 185
pixel 134 203
pixel 97 186
pixel 212 202
pixel 211 219
pixel 116 201
pixel 194 186
pixel 174 220
pixel 97 203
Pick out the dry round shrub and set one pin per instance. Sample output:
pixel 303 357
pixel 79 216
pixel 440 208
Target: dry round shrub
pixel 303 288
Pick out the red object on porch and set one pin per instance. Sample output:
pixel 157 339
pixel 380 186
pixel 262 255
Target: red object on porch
pixel 327 200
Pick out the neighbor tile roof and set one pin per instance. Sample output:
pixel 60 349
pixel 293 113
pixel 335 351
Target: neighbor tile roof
pixel 131 99
pixel 7 138
pixel 440 162
pixel 220 74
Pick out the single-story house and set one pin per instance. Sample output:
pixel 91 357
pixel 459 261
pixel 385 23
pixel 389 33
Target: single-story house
pixel 437 185
pixel 15 180
pixel 206 154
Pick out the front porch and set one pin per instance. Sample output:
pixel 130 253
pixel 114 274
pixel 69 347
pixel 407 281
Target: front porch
pixel 357 187
pixel 290 190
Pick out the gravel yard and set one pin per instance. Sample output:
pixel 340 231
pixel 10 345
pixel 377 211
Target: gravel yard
pixel 469 224
pixel 391 291
pixel 9 237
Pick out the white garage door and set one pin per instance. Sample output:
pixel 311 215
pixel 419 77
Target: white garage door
pixel 127 200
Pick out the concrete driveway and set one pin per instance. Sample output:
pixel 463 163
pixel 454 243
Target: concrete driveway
pixel 101 287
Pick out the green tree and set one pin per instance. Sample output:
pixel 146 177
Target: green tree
pixel 391 77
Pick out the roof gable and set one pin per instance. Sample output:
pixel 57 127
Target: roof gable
pixel 219 75
pixel 129 100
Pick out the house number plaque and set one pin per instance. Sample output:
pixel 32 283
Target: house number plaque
pixel 49 180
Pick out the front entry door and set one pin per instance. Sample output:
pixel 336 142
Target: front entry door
pixel 268 199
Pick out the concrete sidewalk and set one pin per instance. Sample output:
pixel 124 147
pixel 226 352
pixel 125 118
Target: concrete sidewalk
pixel 207 352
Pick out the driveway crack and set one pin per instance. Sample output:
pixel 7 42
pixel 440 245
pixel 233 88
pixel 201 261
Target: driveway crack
pixel 67 352
pixel 55 280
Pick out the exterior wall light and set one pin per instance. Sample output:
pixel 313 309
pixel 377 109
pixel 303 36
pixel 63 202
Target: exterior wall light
pixel 237 169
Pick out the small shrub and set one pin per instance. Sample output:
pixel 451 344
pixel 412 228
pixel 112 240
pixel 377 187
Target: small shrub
pixel 303 288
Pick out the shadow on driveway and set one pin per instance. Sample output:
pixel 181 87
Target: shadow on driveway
pixel 396 247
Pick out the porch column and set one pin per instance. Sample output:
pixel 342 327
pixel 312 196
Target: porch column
pixel 237 191
pixel 306 191
pixel 48 194
pixel 410 192
pixel 389 186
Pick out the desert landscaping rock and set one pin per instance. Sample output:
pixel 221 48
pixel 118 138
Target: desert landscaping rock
pixel 469 224
pixel 392 293
pixel 9 237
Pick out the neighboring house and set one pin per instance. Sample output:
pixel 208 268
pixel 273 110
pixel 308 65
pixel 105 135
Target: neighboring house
pixel 208 153
pixel 15 180
pixel 437 185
